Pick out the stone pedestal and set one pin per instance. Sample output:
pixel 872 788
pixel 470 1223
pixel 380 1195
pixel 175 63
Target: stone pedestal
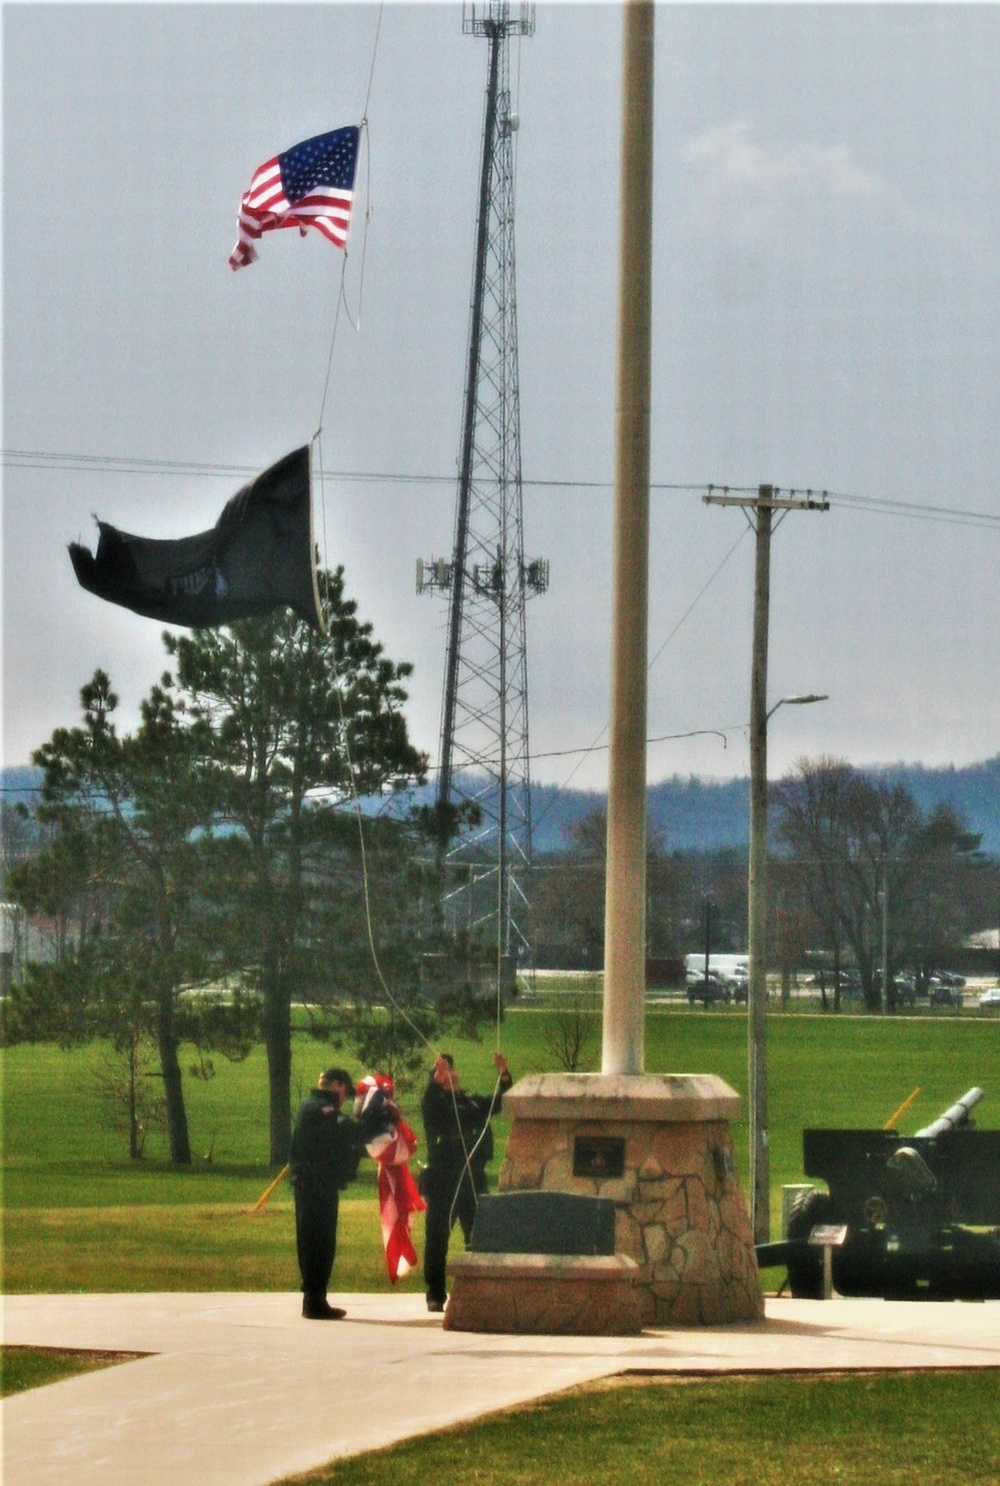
pixel 659 1146
pixel 545 1295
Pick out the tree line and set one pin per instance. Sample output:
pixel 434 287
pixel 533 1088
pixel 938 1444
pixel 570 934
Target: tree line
pixel 212 869
pixel 879 882
pixel 859 875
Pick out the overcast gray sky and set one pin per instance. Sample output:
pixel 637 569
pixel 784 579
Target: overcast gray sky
pixel 826 307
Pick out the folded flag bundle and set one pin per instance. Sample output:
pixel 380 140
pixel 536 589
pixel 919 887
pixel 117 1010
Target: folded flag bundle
pixel 391 1143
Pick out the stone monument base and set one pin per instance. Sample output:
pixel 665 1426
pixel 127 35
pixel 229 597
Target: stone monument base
pixel 659 1146
pixel 544 1294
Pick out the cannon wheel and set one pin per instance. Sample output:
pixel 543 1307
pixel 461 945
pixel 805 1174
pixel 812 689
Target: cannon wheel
pixel 805 1268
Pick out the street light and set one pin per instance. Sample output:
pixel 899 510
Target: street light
pixel 760 1168
pixel 803 701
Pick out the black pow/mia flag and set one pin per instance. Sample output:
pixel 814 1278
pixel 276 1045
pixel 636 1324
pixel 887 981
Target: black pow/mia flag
pixel 258 556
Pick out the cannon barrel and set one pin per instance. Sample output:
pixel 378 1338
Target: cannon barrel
pixel 956 1115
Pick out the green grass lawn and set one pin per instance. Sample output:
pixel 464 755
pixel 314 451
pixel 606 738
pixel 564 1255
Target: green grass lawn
pixel 79 1216
pixel 898 1429
pixel 874 1429
pixel 32 1367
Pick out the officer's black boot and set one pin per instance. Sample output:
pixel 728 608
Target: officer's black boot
pixel 316 1308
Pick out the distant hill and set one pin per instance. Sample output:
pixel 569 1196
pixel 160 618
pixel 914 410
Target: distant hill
pixel 973 792
pixel 687 814
pixel 20 786
pixel 693 814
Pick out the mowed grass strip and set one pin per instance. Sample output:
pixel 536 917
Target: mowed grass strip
pixel 22 1368
pixel 880 1429
pixel 197 1248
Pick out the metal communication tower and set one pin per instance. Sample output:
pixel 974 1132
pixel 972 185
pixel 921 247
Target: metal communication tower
pixel 484 718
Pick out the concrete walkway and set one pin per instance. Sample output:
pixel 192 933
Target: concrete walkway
pixel 238 1389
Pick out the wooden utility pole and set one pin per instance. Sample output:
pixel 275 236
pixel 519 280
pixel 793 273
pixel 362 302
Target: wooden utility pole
pixel 762 506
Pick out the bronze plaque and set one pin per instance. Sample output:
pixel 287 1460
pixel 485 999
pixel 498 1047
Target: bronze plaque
pixel 601 1157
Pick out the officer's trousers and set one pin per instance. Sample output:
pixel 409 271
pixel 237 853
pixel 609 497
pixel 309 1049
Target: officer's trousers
pixel 316 1209
pixel 450 1197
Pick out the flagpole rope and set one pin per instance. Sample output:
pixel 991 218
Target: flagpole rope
pixel 342 291
pixel 371 71
pixel 333 342
pixel 342 295
pixel 368 212
pixel 365 879
pixel 364 130
pixel 370 930
pixel 355 797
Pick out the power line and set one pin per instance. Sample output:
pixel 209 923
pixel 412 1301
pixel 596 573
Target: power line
pixel 126 464
pixel 877 505
pixel 720 732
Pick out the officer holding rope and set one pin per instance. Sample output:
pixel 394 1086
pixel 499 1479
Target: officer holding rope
pixel 459 1146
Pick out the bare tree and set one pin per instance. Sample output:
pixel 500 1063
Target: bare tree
pixel 868 856
pixel 569 1033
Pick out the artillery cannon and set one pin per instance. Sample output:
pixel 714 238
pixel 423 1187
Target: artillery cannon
pixel 921 1212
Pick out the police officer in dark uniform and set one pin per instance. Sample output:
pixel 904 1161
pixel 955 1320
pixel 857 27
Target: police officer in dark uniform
pixel 459 1145
pixel 325 1153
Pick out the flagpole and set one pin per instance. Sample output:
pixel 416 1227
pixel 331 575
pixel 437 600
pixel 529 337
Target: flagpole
pixel 625 904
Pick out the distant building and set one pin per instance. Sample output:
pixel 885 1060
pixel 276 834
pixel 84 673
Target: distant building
pixel 25 937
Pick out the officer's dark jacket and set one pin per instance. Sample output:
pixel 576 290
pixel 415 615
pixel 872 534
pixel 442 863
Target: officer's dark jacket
pixel 326 1146
pixel 453 1123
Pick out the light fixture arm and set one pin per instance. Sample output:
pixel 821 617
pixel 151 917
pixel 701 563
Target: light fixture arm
pixel 802 701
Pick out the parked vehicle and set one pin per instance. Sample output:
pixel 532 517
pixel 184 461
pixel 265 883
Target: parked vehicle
pixel 707 988
pixel 850 983
pixel 730 974
pixel 904 986
pixel 990 998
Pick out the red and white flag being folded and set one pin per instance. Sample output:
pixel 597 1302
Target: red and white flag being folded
pixel 391 1143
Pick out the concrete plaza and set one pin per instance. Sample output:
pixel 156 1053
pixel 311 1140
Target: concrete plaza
pixel 239 1389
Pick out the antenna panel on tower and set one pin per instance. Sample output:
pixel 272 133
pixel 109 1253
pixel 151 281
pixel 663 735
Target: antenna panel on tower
pixel 484 17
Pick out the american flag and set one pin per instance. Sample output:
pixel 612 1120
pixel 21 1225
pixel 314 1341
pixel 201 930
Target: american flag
pixel 310 185
pixel 391 1146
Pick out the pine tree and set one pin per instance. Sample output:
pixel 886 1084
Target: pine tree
pixel 289 727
